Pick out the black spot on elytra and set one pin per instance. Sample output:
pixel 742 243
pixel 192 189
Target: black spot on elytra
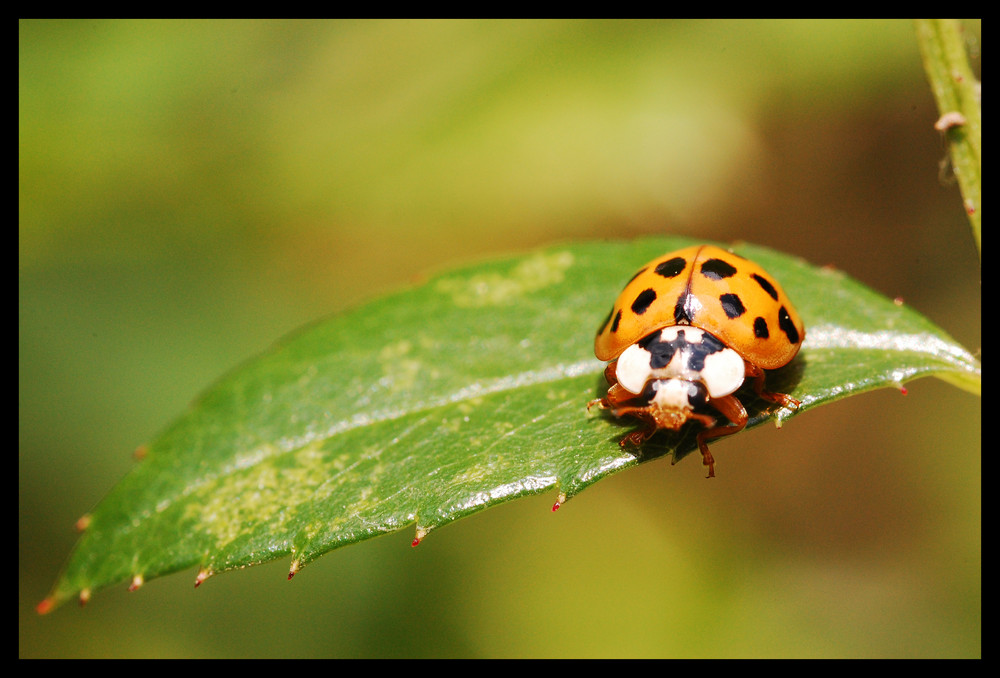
pixel 618 320
pixel 787 326
pixel 760 328
pixel 732 306
pixel 765 285
pixel 671 268
pixel 604 325
pixel 642 302
pixel 717 269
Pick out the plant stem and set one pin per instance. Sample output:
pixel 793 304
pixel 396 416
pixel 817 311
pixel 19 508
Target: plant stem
pixel 958 98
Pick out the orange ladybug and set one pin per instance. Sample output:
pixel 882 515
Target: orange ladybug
pixel 688 329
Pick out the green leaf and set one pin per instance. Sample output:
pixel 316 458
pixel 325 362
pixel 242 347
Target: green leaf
pixel 437 402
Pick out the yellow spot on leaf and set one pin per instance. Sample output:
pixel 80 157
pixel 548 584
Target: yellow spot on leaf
pixel 494 289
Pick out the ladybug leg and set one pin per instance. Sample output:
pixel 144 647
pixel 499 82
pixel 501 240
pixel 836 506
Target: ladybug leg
pixel 734 411
pixel 654 417
pixel 783 399
pixel 638 437
pixel 616 394
pixel 657 418
pixel 611 371
pixel 613 401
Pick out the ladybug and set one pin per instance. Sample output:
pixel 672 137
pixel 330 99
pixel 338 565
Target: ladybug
pixel 685 333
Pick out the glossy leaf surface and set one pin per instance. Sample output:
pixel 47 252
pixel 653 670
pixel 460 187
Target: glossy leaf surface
pixel 439 401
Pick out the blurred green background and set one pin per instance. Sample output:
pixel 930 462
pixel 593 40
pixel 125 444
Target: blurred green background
pixel 190 191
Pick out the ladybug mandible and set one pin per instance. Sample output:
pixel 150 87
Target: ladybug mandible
pixel 685 333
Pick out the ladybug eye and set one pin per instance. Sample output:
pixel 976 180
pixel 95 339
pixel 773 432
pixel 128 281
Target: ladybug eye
pixel 697 394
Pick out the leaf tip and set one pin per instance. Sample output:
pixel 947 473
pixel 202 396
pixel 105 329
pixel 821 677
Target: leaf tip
pixel 202 576
pixel 140 453
pixel 136 584
pixel 46 605
pixel 293 569
pixel 421 533
pixel 82 523
pixel 560 500
pixel 84 597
